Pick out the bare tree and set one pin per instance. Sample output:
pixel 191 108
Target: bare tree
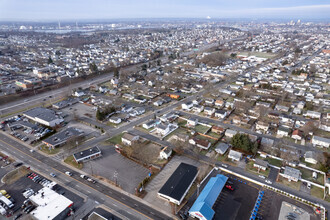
pixel 310 126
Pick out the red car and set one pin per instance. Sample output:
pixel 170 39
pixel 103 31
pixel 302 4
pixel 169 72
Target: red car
pixel 229 187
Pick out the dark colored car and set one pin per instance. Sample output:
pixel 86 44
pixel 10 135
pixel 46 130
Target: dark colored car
pixel 18 216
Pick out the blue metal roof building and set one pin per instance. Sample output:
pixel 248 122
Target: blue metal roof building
pixel 202 208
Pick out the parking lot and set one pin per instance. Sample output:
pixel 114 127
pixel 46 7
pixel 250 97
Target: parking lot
pixel 115 167
pixel 16 190
pixel 272 202
pixel 236 204
pixel 24 130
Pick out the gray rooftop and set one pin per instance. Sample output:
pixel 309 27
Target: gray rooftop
pixel 63 136
pixel 292 172
pixel 42 113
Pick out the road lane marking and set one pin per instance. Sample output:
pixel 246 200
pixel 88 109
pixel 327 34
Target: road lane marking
pixel 114 204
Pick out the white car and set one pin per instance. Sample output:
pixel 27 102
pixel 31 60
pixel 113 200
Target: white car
pixel 68 173
pixel 309 185
pixel 269 182
pixel 224 165
pixel 262 177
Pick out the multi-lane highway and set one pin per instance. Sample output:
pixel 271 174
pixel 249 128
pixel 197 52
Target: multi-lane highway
pixel 121 202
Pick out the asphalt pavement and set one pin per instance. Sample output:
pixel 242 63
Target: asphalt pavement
pixel 121 202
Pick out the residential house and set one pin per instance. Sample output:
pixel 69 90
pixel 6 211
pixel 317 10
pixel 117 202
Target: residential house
pixel 260 164
pixel 292 174
pixel 201 143
pixel 220 113
pixel 217 129
pixel 163 128
pixel 187 106
pixel 115 120
pixel 198 108
pixel 310 157
pixel 165 153
pixel 219 103
pixel 283 131
pixel 180 137
pixel 281 108
pixel 221 148
pixel 209 111
pixel 192 122
pixel 320 141
pixel 313 114
pixel 297 135
pixel 129 139
pixel 158 102
pixel 260 125
pixel 230 133
pixel 235 155
pixel 149 124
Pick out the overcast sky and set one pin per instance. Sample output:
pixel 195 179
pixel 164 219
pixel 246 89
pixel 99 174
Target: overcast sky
pixel 40 10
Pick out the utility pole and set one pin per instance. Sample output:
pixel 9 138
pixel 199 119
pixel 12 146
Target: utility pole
pixel 115 176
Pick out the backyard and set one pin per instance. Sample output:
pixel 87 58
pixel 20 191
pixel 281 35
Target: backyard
pixel 201 128
pixel 308 175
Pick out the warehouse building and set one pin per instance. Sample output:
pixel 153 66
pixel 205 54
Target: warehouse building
pixel 179 183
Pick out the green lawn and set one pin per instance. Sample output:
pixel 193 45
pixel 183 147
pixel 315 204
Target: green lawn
pixel 317 192
pixel 116 139
pixel 70 160
pixel 292 184
pixel 249 167
pixel 271 161
pixel 308 175
pixel 201 129
pixel 48 150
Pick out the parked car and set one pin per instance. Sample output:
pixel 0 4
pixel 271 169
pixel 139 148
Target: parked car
pixel 230 187
pixel 269 182
pixel 262 177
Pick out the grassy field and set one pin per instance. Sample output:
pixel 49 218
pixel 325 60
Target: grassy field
pixel 14 175
pixel 317 192
pixel 215 135
pixel 70 160
pixel 116 139
pixel 50 151
pixel 292 184
pixel 249 167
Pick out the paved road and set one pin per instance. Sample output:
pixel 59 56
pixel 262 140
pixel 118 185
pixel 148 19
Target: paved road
pixel 121 202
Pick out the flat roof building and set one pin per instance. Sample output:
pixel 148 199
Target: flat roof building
pixel 50 205
pixel 61 138
pixel 88 154
pixel 179 183
pixel 43 116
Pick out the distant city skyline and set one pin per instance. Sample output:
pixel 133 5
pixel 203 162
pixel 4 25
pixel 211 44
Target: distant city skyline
pixel 48 10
